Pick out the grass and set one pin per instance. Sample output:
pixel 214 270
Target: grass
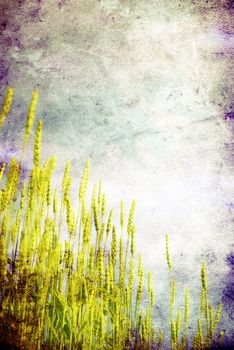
pixel 68 279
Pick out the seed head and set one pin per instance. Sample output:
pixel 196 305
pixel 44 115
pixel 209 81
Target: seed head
pixel 30 117
pixel 6 105
pixel 37 145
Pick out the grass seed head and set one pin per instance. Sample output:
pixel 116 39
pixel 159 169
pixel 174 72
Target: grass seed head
pixel 133 235
pixel 160 340
pixel 178 322
pixel 109 223
pixel 66 177
pixel 203 276
pixel 83 213
pixel 6 105
pixel 122 215
pixel 103 209
pixel 84 182
pixel 114 247
pixel 217 316
pixel 55 202
pixel 37 145
pixel 30 117
pixel 131 217
pixel 168 254
pixel 3 167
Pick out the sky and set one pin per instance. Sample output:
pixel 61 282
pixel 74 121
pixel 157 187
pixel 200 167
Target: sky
pixel 144 90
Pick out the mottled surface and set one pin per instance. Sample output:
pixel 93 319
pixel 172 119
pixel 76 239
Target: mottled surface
pixel 143 89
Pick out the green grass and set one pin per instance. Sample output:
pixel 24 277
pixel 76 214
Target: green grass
pixel 68 279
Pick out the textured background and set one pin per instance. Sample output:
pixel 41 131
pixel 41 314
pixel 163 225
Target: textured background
pixel 143 89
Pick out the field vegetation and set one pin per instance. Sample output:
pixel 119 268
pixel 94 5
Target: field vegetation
pixel 70 277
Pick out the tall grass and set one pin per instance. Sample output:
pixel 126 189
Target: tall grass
pixel 68 279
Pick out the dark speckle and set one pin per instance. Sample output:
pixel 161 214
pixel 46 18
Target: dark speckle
pixel 210 257
pixel 230 205
pixel 61 3
pixel 4 24
pixel 219 54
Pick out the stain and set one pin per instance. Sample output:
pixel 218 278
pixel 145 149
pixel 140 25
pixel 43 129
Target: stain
pixel 229 5
pixel 4 71
pixel 227 34
pixel 224 346
pixel 228 291
pixel 229 116
pixel 112 24
pixel 35 13
pixel 10 27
